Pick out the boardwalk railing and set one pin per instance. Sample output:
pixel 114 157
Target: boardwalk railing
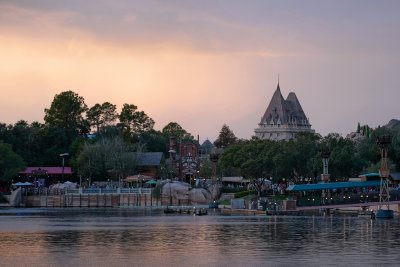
pixel 46 191
pixel 98 197
pixel 360 198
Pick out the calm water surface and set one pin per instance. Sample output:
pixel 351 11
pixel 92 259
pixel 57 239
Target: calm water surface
pixel 138 237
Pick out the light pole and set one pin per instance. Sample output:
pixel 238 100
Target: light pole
pixel 63 155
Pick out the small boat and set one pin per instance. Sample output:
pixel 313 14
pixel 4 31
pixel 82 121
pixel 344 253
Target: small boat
pixel 169 210
pixel 200 212
pixel 384 214
pixel 366 214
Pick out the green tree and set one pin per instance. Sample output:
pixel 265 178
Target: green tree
pixel 226 137
pixel 10 162
pixel 106 156
pixel 173 129
pixel 395 148
pixel 91 162
pixel 134 122
pixel 206 168
pixel 253 158
pixel 153 141
pixel 344 162
pixel 28 141
pixel 67 112
pixel 102 115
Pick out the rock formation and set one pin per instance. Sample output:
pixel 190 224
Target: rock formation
pixel 183 191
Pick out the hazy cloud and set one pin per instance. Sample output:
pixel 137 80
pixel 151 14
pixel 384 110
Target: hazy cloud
pixel 204 63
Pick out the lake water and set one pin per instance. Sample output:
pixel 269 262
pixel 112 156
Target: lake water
pixel 140 237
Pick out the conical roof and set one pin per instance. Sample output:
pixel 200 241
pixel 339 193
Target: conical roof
pixel 281 111
pixel 296 109
pixel 276 108
pixel 207 144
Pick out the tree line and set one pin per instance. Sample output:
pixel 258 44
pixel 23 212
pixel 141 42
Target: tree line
pixel 69 122
pixel 300 160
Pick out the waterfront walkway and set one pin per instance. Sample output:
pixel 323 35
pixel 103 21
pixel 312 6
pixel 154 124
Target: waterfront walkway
pixel 98 197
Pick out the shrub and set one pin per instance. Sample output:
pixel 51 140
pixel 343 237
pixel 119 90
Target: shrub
pixel 245 193
pixel 232 190
pixel 3 199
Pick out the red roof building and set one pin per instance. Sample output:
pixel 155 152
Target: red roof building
pixel 46 170
pixel 45 175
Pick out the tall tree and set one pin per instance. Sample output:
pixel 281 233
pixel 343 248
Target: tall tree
pixel 10 162
pixel 153 141
pixel 67 112
pixel 94 116
pixel 27 140
pixel 134 122
pixel 102 116
pixel 226 137
pixel 106 155
pixel 343 161
pixel 173 129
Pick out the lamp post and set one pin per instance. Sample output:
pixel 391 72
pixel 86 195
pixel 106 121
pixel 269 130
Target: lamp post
pixel 63 155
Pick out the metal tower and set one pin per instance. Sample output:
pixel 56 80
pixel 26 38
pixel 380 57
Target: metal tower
pixel 384 172
pixel 325 154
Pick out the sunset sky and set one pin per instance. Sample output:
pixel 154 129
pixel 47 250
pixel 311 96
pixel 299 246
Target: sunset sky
pixel 204 63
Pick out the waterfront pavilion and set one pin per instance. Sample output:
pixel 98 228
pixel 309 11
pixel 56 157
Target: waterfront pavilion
pixel 334 193
pixel 332 186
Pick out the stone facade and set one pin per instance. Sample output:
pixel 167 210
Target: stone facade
pixel 283 119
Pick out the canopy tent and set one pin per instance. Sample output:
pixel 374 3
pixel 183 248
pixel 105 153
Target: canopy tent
pixel 23 184
pixel 138 178
pixel 151 182
pixel 325 186
pixel 66 185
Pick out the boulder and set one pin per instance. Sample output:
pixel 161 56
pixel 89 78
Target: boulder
pixel 176 189
pixel 215 191
pixel 182 191
pixel 199 196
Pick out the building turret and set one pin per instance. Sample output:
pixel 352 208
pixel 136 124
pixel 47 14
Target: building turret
pixel 283 119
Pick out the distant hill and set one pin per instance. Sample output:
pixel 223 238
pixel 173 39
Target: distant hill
pixel 393 124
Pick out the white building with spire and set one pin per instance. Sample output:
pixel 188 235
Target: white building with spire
pixel 283 119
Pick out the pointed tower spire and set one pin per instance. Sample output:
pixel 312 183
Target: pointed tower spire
pixel 278 88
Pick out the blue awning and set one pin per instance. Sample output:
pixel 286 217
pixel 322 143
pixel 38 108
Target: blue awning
pixel 324 186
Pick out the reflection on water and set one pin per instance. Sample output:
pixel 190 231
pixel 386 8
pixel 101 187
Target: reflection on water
pixel 139 237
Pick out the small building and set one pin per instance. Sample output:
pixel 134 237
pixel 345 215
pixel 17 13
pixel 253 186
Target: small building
pixel 189 165
pixel 45 176
pixel 184 160
pixel 149 163
pixel 235 181
pixel 369 177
